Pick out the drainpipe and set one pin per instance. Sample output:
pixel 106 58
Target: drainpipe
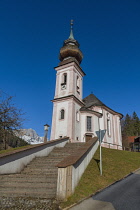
pixel 100 146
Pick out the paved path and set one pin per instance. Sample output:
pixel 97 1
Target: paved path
pixel 123 195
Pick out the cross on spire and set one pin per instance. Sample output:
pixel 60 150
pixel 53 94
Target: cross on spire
pixel 71 30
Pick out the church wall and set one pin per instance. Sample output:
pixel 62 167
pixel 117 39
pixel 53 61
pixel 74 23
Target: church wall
pixel 53 127
pixel 83 126
pixel 69 126
pixel 78 93
pixel 109 136
pixel 60 125
pixel 114 138
pixel 58 91
pixel 77 123
pixel 119 131
pixel 71 84
pixel 94 123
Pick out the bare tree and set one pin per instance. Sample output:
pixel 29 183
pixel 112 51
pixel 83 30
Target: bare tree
pixel 10 118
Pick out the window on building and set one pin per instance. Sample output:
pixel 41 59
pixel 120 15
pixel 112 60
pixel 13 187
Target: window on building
pixel 77 116
pixel 89 123
pixel 62 114
pixel 65 78
pixel 108 125
pixel 78 84
pixel 64 81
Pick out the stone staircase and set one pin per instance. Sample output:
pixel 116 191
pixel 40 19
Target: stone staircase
pixel 39 178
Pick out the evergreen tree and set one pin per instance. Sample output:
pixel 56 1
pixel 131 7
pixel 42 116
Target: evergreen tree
pixel 136 124
pixel 130 127
pixel 127 128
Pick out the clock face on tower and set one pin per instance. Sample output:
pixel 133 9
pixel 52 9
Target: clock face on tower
pixel 63 87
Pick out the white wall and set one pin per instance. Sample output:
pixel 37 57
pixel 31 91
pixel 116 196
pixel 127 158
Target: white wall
pixel 115 135
pixel 59 76
pixel 72 72
pixel 77 171
pixel 77 124
pixel 61 125
pixel 95 125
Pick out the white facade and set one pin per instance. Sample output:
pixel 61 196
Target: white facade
pixel 68 97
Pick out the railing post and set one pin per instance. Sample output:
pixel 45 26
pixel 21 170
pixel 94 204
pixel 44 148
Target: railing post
pixel 64 183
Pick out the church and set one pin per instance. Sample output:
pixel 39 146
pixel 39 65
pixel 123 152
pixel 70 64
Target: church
pixel 76 117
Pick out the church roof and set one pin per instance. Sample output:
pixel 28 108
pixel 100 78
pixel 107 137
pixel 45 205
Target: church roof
pixel 92 100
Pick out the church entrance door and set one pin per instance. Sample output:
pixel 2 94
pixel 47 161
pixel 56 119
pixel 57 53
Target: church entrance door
pixel 88 137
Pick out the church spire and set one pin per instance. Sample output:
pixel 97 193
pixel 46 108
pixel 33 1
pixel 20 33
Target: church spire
pixel 70 50
pixel 71 30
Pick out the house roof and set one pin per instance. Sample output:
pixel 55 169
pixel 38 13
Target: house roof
pixel 137 139
pixel 92 100
pixel 85 109
pixel 131 138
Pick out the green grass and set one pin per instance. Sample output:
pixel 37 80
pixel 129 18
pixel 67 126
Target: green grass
pixel 13 149
pixel 116 165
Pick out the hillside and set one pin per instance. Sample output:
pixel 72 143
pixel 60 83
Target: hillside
pixel 20 138
pixel 116 165
pixel 12 141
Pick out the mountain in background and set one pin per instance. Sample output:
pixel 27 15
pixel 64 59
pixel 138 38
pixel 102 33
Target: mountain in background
pixel 30 136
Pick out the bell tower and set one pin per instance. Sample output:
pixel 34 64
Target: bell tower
pixel 68 91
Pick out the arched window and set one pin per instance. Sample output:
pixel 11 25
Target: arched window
pixel 64 81
pixel 77 116
pixel 89 125
pixel 65 78
pixel 78 84
pixel 62 114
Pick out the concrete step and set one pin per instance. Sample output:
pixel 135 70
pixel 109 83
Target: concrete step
pixel 40 166
pixel 47 162
pixel 33 194
pixel 27 189
pixel 27 185
pixel 59 155
pixel 48 173
pixel 74 145
pixel 28 176
pixel 28 170
pixel 29 180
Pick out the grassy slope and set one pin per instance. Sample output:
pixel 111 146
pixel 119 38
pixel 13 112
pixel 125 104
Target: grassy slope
pixel 12 149
pixel 116 165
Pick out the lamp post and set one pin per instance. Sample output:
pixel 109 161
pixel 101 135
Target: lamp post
pixel 46 128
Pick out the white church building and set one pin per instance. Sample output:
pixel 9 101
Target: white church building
pixel 77 118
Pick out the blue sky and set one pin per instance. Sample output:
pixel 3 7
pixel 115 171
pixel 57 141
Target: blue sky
pixel 32 33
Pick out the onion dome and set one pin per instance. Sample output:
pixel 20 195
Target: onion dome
pixel 70 50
